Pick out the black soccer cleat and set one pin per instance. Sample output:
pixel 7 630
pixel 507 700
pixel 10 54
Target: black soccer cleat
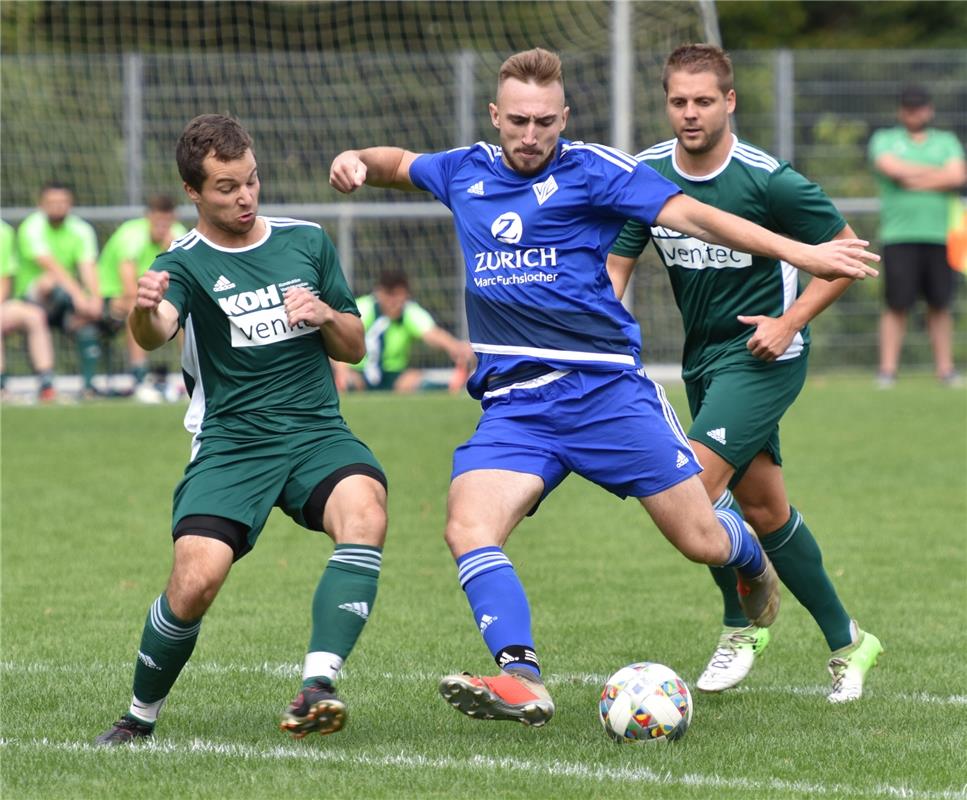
pixel 125 731
pixel 316 709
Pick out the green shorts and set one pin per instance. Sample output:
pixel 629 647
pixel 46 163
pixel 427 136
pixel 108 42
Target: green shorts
pixel 736 411
pixel 242 479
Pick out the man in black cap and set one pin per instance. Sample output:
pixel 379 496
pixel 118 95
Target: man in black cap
pixel 919 170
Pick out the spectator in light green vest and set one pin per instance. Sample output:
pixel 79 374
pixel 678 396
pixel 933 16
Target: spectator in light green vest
pixel 919 170
pixel 58 271
pixel 127 256
pixel 18 315
pixel 393 321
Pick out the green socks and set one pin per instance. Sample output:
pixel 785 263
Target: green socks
pixel 342 603
pixel 799 563
pixel 89 353
pixel 798 560
pixel 166 646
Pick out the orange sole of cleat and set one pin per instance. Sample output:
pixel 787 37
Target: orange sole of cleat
pixel 324 718
pixel 478 702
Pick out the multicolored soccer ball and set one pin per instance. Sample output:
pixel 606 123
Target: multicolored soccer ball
pixel 645 702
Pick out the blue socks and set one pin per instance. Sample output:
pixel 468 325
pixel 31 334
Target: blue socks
pixel 499 606
pixel 746 552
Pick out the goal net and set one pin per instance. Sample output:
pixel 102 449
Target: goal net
pixel 96 94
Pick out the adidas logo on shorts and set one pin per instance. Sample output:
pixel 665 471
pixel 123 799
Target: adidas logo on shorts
pixel 718 434
pixel 681 461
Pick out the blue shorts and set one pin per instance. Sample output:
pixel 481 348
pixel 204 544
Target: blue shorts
pixel 616 429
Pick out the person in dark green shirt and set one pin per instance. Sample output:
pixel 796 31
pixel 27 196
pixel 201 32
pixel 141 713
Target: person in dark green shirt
pixel 393 322
pixel 746 344
pixel 918 170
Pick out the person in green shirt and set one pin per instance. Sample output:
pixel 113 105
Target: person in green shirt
pixel 264 305
pixel 126 256
pixel 58 271
pixel 393 322
pixel 18 315
pixel 746 345
pixel 918 171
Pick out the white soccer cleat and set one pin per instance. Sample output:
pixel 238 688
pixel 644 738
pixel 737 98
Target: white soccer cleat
pixel 849 665
pixel 733 658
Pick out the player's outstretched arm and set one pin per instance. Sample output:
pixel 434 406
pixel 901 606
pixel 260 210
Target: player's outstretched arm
pixel 154 320
pixel 378 166
pixel 839 258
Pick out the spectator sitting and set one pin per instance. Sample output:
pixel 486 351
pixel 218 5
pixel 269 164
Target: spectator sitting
pixel 126 257
pixel 393 321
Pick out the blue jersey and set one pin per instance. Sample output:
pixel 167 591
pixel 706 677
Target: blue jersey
pixel 536 246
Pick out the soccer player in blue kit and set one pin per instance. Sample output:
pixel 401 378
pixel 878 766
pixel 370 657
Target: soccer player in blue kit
pixel 559 374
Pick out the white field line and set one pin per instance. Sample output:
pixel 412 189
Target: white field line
pixel 552 679
pixel 474 764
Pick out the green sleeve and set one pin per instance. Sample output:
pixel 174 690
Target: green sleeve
pixel 417 321
pixel 30 237
pixel 954 146
pixel 8 252
pixel 332 283
pixel 879 144
pixel 87 247
pixel 632 239
pixel 800 208
pixel 179 284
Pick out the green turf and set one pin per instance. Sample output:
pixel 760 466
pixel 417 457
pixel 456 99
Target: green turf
pixel 880 476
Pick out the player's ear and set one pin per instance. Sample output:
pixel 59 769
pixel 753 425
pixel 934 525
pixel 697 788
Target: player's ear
pixel 564 117
pixel 494 116
pixel 192 194
pixel 730 100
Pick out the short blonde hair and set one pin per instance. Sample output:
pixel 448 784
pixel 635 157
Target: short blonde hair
pixel 532 66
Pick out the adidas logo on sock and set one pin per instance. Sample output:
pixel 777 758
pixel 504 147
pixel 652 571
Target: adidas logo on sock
pixel 486 621
pixel 477 189
pixel 223 284
pixel 148 661
pixel 681 461
pixel 359 609
pixel 718 434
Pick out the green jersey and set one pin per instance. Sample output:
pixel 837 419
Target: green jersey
pixel 130 242
pixel 908 216
pixel 715 284
pixel 71 243
pixel 388 341
pixel 8 251
pixel 250 373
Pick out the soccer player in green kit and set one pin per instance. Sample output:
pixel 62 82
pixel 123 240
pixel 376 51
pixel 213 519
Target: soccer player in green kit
pixel 264 305
pixel 746 345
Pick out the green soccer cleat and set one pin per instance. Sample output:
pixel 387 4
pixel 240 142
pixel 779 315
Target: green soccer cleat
pixel 316 709
pixel 733 658
pixel 849 666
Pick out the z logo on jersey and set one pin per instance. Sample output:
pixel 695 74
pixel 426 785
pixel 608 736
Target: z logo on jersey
pixel 508 228
pixel 258 318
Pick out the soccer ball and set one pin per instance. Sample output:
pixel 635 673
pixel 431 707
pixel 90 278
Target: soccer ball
pixel 645 702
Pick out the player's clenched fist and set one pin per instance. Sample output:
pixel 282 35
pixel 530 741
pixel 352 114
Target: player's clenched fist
pixel 151 290
pixel 301 305
pixel 347 172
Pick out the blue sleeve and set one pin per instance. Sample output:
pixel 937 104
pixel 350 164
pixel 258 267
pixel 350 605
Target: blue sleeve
pixel 633 192
pixel 432 172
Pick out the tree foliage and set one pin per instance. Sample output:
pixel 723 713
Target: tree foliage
pixel 799 24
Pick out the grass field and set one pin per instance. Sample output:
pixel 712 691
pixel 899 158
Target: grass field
pixel 85 512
